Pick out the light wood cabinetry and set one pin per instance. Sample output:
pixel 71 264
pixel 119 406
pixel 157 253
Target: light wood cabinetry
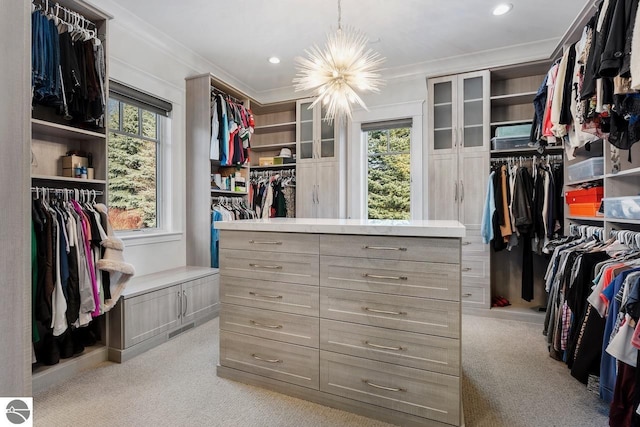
pixel 321 175
pixel 200 167
pixel 275 129
pixel 159 306
pixel 364 322
pixel 52 137
pixel 459 133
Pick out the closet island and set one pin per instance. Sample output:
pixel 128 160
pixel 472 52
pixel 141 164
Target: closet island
pixel 360 315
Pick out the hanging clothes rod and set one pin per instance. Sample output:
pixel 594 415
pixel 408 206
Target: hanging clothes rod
pixel 64 16
pixel 216 91
pixel 66 190
pixel 554 158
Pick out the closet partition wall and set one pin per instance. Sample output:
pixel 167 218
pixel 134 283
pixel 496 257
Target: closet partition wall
pixel 66 122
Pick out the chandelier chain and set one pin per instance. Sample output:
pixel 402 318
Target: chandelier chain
pixel 339 16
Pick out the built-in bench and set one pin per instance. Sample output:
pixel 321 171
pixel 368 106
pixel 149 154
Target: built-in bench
pixel 156 307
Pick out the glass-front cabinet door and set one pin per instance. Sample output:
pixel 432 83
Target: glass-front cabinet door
pixel 473 115
pixel 305 137
pixel 327 142
pixel 442 117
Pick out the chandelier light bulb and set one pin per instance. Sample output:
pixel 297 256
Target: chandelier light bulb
pixel 335 72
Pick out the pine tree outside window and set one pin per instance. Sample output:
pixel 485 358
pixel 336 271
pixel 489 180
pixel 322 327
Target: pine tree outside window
pixel 388 170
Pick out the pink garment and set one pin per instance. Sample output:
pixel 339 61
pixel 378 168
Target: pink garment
pixel 547 125
pixel 89 252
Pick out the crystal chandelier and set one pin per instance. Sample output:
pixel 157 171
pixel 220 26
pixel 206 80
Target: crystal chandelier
pixel 338 72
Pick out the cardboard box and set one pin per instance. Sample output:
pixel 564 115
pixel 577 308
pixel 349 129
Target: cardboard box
pixel 69 172
pixel 69 162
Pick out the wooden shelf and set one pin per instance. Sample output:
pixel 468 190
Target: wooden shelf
pixel 68 179
pixel 586 218
pixel 285 166
pixel 623 221
pixel 42 127
pixel 512 122
pixel 277 127
pixel 229 192
pixel 267 147
pixel 626 173
pixel 217 163
pixel 533 150
pixel 582 181
pixel 513 99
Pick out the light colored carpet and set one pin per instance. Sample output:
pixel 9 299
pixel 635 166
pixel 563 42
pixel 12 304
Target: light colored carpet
pixel 508 381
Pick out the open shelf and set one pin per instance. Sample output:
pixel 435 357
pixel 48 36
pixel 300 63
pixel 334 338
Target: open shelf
pixel 629 172
pixel 277 127
pixel 268 147
pixel 513 99
pixel 284 166
pixel 586 218
pixel 62 131
pixel 582 181
pixel 532 150
pixel 68 179
pixel 512 122
pixel 623 221
pixel 236 193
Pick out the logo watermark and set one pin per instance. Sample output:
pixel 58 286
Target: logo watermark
pixel 18 411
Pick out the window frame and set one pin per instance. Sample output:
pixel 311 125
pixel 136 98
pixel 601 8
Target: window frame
pixel 161 226
pixel 388 152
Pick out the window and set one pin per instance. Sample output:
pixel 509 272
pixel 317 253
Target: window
pixel 388 169
pixel 135 138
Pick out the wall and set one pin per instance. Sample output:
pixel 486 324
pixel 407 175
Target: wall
pixel 140 56
pixel 15 176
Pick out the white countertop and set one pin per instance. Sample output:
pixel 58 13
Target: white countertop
pixel 378 227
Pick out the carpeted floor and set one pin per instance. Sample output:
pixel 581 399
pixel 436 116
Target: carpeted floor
pixel 509 381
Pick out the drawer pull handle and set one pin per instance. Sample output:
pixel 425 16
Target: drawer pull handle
pixel 384 347
pixel 467 295
pixel 369 383
pixel 393 313
pixel 383 248
pixel 271 267
pixel 254 323
pixel 265 360
pixel 467 269
pixel 265 296
pixel 375 276
pixel 466 243
pixel 258 242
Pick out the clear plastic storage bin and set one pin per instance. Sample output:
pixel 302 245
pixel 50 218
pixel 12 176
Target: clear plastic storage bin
pixel 513 131
pixel 585 170
pixel 622 207
pixel 509 143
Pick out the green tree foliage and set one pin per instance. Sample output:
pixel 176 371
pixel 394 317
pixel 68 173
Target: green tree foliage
pixel 132 168
pixel 389 175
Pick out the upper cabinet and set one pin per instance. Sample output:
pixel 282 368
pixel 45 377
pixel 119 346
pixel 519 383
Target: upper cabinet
pixel 459 113
pixel 316 138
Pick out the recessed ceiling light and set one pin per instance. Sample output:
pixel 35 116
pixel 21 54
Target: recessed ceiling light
pixel 274 60
pixel 503 8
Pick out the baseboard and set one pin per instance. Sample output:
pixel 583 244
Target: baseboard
pixel 47 376
pixel 522 314
pixel 327 399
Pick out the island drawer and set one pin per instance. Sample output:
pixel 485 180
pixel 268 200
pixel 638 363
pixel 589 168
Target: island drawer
pixel 297 243
pixel 270 266
pixel 393 248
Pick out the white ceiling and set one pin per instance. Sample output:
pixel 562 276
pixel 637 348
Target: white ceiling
pixel 238 36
